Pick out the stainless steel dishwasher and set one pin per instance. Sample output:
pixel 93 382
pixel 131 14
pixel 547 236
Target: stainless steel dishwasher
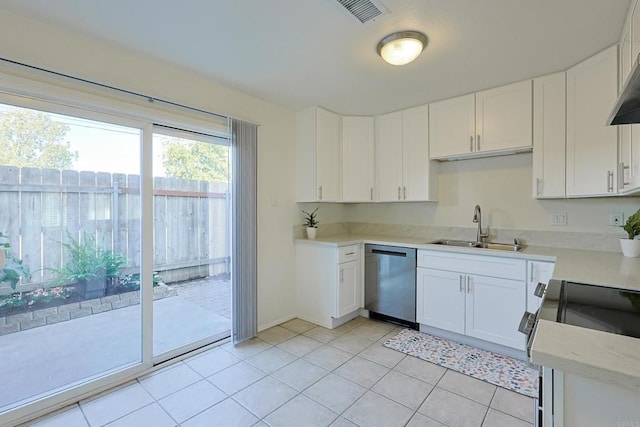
pixel 390 284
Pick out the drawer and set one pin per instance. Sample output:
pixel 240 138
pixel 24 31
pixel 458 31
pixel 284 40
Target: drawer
pixel 348 253
pixel 485 265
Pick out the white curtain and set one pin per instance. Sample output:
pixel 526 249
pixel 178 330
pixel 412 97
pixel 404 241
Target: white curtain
pixel 244 138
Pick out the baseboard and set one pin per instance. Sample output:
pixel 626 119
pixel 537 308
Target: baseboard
pixel 275 322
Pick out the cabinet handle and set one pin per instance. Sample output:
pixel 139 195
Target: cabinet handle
pixel 621 181
pixel 537 186
pixel 478 143
pixel 404 188
pixel 350 253
pixel 320 193
pixel 461 286
pixel 371 193
pixel 341 276
pixel 610 181
pixel 468 285
pixel 531 273
pixel 471 143
pixel 399 193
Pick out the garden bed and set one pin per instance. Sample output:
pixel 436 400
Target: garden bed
pixel 62 309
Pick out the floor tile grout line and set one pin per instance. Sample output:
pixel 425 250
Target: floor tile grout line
pixel 375 343
pixel 83 414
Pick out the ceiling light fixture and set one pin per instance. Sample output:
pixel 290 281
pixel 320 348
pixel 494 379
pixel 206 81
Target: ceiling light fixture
pixel 402 47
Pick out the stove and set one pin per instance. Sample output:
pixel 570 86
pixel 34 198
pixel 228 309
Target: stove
pixel 596 307
pixel 606 309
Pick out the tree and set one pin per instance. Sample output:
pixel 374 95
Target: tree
pixel 196 160
pixel 31 138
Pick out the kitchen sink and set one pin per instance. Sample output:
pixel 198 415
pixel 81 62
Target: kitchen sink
pixel 479 245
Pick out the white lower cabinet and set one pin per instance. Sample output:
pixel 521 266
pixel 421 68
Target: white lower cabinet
pixel 486 306
pixel 440 300
pixel 537 272
pixel 348 292
pixel 329 283
pixel 575 400
pixel 494 308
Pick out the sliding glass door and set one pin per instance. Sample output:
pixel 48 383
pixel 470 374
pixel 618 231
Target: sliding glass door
pixel 192 288
pixel 70 221
pixel 116 239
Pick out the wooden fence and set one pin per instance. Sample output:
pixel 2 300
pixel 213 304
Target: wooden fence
pixel 41 208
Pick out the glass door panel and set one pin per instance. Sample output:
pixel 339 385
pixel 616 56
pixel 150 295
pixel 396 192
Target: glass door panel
pixel 70 224
pixel 192 288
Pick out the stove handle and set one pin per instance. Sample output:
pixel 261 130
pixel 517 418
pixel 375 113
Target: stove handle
pixel 540 288
pixel 526 323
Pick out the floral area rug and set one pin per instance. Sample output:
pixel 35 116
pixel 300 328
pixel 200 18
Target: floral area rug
pixel 503 371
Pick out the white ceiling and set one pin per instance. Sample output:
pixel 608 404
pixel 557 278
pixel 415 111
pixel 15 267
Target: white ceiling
pixel 298 53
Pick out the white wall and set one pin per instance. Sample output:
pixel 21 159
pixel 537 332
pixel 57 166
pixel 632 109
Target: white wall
pixel 502 186
pixel 44 46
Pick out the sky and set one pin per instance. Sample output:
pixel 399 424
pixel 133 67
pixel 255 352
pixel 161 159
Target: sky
pixel 105 147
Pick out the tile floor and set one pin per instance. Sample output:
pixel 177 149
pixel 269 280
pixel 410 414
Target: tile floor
pixel 300 374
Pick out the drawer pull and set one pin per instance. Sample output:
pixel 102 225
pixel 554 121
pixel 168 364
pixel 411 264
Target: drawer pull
pixel 350 253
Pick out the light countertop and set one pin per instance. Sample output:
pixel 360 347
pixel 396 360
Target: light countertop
pixel 591 267
pixel 610 358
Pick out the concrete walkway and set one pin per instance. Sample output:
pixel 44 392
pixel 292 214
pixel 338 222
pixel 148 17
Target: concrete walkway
pixel 43 359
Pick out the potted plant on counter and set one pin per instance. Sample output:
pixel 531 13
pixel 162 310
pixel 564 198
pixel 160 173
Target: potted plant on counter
pixel 631 246
pixel 311 223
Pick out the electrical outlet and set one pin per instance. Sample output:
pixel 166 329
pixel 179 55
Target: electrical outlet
pixel 559 219
pixel 616 219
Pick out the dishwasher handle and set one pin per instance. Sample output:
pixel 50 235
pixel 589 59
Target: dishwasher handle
pixel 390 250
pixel 392 253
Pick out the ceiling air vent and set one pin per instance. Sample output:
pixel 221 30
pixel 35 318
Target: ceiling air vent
pixel 364 10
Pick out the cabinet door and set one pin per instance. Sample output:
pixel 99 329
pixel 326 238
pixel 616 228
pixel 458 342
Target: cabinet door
pixel 591 144
pixel 452 125
pixel 416 170
pixel 494 308
pixel 634 29
pixel 537 272
pixel 440 299
pixel 328 155
pixel 357 159
pixel 549 136
pixel 389 157
pixel 348 293
pixel 629 161
pixel 503 117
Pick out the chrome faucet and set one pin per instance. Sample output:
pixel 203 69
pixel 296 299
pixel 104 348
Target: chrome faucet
pixel 477 219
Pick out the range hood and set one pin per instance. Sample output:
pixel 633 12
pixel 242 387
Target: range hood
pixel 627 109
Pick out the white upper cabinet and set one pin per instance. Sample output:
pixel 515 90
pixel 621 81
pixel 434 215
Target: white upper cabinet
pixel 549 136
pixel 389 157
pixel 452 126
pixel 357 159
pixel 419 174
pixel 592 88
pixel 634 31
pixel 491 122
pixel 403 169
pixel 318 169
pixel 503 118
pixel 629 144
